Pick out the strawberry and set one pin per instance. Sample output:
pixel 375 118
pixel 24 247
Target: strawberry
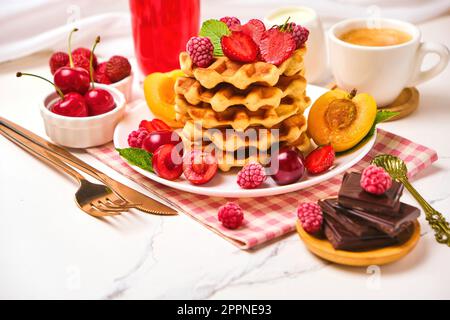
pixel 154 125
pixel 100 74
pixel 239 47
pixel 276 46
pixel 320 159
pixel 254 28
pixel 117 68
pixel 58 60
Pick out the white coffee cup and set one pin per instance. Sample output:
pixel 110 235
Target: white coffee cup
pixel 382 71
pixel 316 54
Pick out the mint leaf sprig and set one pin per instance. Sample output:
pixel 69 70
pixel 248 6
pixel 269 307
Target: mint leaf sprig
pixel 215 30
pixel 137 157
pixel 381 116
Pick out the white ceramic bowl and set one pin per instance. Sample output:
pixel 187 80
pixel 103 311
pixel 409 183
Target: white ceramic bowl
pixel 125 86
pixel 82 132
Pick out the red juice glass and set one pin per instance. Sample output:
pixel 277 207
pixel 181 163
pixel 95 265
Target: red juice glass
pixel 161 29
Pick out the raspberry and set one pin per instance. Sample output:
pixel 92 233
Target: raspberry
pixel 117 68
pixel 251 176
pixel 375 180
pixel 100 74
pixel 58 60
pixel 231 22
pixel 231 215
pixel 136 137
pixel 85 52
pixel 299 33
pixel 310 216
pixel 200 50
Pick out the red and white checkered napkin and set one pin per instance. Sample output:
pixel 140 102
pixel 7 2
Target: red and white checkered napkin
pixel 267 218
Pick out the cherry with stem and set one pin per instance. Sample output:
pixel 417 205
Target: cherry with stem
pixel 71 78
pixel 71 104
pixel 98 100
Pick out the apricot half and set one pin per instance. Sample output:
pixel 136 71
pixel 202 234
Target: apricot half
pixel 160 95
pixel 341 119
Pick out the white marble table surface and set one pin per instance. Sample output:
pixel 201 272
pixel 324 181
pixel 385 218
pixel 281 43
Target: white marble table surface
pixel 50 249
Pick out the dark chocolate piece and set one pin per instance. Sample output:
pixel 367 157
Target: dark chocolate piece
pixel 389 223
pixel 354 225
pixel 341 239
pixel 352 196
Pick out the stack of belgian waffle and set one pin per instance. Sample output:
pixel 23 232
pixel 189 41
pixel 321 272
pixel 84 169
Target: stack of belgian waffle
pixel 256 96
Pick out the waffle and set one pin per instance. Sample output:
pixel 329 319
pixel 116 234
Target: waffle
pixel 242 75
pixel 238 117
pixel 290 132
pixel 228 160
pixel 253 98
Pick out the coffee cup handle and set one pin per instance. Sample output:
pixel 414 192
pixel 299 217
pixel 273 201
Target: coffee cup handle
pixel 425 48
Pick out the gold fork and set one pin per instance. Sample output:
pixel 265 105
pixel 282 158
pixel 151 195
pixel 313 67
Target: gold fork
pixel 95 199
pixel 143 202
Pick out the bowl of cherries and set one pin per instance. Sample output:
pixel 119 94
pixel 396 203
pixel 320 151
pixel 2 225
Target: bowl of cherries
pixel 115 72
pixel 79 113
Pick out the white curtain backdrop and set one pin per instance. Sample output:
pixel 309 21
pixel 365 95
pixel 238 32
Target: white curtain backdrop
pixel 28 26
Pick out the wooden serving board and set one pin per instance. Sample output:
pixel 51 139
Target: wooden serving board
pixel 324 249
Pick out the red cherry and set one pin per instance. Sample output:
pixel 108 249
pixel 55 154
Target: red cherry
pixel 72 105
pixel 99 101
pixel 72 80
pixel 167 162
pixel 156 139
pixel 290 166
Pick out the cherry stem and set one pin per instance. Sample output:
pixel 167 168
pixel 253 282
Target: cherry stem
pixel 352 94
pixel 70 46
pixel 58 90
pixel 91 61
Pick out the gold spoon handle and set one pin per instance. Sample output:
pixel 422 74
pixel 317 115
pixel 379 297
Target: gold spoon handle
pixel 435 219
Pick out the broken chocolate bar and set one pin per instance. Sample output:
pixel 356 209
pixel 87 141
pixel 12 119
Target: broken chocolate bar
pixel 352 196
pixel 389 223
pixel 341 239
pixel 354 225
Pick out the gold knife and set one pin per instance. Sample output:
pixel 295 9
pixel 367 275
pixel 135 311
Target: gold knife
pixel 146 203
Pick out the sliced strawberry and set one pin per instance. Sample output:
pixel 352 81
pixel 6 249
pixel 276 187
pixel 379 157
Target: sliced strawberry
pixel 320 160
pixel 147 125
pixel 239 47
pixel 154 125
pixel 276 46
pixel 254 28
pixel 160 125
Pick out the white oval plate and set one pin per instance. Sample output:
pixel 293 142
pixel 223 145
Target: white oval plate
pixel 224 184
